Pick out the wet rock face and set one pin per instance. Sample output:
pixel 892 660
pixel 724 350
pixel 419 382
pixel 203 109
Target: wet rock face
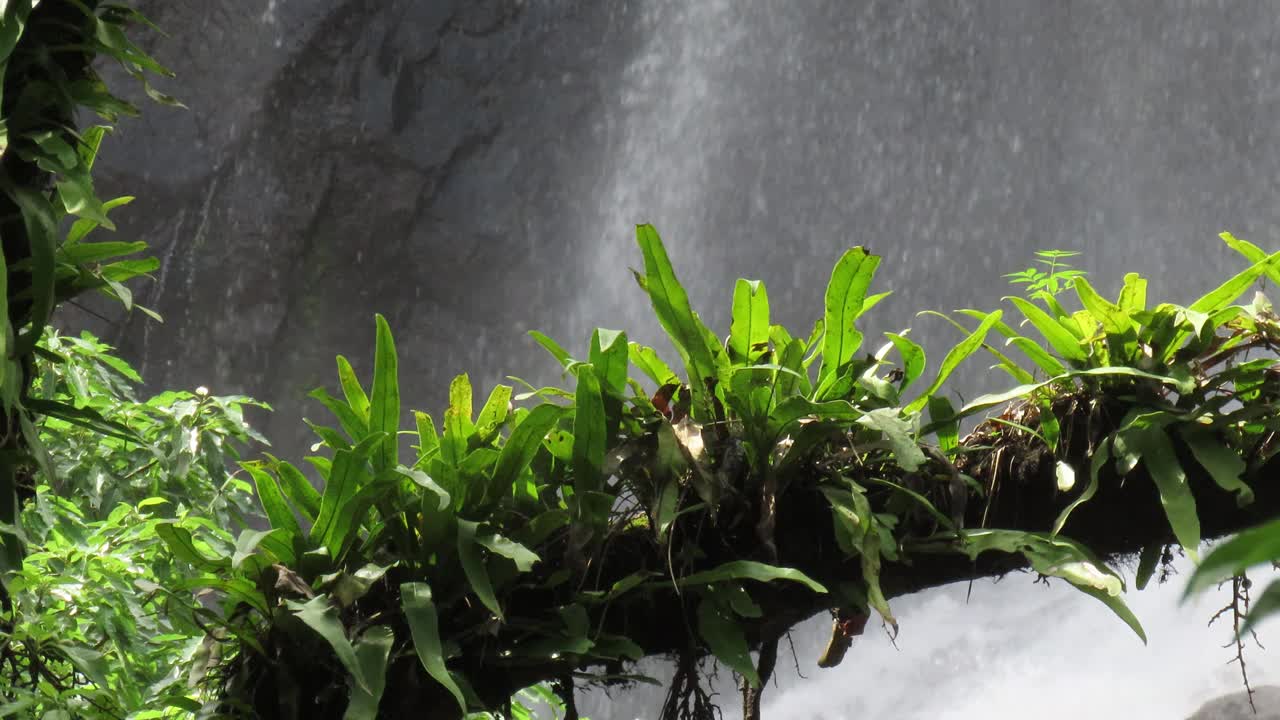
pixel 1236 706
pixel 471 168
pixel 346 158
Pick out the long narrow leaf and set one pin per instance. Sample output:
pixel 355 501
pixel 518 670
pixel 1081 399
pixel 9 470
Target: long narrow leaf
pixel 272 500
pixel 342 485
pixel 424 628
pixel 320 615
pixel 371 653
pixel 384 405
pixel 357 400
pixel 957 355
pixel 524 443
pixel 1059 338
pixel 671 305
pixel 474 568
pixel 1227 292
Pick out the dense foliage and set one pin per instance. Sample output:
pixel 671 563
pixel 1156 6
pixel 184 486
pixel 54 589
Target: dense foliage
pixel 553 535
pixel 518 544
pixel 106 623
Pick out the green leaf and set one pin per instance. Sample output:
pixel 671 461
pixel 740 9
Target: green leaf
pixel 425 482
pixel 356 398
pixel 687 333
pixel 458 427
pixel 1133 296
pixel 957 355
pixel 523 557
pixel 589 434
pixel 987 401
pixel 246 545
pixel 1161 460
pixel 424 627
pixel 1114 321
pixel 1059 337
pixel 525 440
pixel 750 570
pixel 428 438
pixel 1119 328
pixel 41 226
pixel 495 411
pixel 1147 563
pixel 1251 252
pixel 844 299
pixel 646 358
pixel 870 561
pixel 1059 557
pixel 793 409
pixel 1226 293
pixel 726 640
pixel 298 489
pixel 183 545
pixel 371 653
pixel 474 568
pixel 1249 548
pixel 1100 458
pixel 90 662
pixel 334 520
pixel 86 253
pixel 749 330
pixel 913 360
pixel 942 418
pixel 352 424
pixel 1224 464
pixel 609 358
pixel 85 417
pixel 559 353
pixel 321 616
pixel 384 406
pixel 897 432
pixel 272 500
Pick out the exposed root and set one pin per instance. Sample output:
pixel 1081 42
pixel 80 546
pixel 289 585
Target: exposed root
pixel 1239 607
pixel 686 698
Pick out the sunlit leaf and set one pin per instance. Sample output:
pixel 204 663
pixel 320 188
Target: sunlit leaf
pixel 671 305
pixel 749 330
pixel 844 299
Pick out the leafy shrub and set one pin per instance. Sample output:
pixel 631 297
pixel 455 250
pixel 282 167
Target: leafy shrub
pixel 106 623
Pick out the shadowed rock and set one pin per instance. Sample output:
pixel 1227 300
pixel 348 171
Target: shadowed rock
pixel 1236 706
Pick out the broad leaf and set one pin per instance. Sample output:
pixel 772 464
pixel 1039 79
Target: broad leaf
pixel 844 299
pixel 725 638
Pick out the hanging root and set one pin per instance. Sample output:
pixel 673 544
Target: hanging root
pixel 1239 607
pixel 686 698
